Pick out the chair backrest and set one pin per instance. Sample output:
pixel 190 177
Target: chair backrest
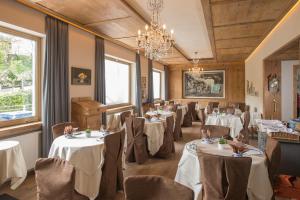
pixel 192 110
pixel 109 185
pixel 55 179
pixel 230 110
pixel 246 119
pixel 209 109
pixel 213 104
pixel 202 115
pixel 273 154
pixel 216 131
pixel 177 129
pixel 221 179
pixel 146 107
pixel 58 129
pixel 155 187
pixel 123 116
pixel 136 144
pixel 166 149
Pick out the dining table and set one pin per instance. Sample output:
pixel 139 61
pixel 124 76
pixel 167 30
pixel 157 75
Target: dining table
pixel 86 154
pixel 228 120
pixel 12 163
pixel 189 169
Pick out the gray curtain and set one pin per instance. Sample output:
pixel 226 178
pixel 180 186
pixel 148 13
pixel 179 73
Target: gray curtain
pixel 166 69
pixel 150 81
pixel 138 96
pixel 55 105
pixel 100 94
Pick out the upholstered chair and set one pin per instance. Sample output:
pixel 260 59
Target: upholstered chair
pixel 202 116
pixel 58 129
pixel 55 179
pixel 221 179
pixel 177 130
pixel 167 147
pixel 123 116
pixel 112 174
pixel 155 188
pixel 215 131
pixel 188 117
pixel 273 154
pixel 136 150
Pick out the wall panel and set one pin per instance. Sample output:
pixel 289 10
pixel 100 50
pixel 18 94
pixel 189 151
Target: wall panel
pixel 234 82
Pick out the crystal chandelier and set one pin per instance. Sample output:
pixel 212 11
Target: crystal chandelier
pixel 195 68
pixel 155 41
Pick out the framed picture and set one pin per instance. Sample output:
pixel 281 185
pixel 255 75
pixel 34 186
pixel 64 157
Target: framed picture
pixel 205 84
pixel 80 76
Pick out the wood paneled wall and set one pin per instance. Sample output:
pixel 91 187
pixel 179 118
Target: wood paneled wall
pixel 234 82
pixel 272 67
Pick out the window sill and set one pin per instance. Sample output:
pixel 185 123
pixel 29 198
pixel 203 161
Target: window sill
pixel 22 129
pixel 119 109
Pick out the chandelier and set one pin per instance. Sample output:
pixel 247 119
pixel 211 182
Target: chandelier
pixel 195 68
pixel 155 41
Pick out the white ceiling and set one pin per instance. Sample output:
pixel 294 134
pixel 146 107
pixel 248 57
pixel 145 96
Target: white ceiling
pixel 187 19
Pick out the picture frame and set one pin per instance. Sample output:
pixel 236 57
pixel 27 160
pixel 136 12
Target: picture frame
pixel 204 84
pixel 80 76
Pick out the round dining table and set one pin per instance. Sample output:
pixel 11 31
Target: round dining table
pixel 12 163
pixel 232 121
pixel 189 169
pixel 86 154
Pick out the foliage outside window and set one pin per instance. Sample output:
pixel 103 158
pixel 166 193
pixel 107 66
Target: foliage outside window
pixel 18 59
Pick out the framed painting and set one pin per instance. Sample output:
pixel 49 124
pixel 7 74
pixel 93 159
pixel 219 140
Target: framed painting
pixel 205 84
pixel 80 76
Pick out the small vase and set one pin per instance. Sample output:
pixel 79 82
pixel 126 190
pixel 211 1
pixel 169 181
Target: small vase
pixel 88 134
pixel 221 146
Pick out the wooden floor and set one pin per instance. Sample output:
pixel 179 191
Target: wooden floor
pixel 166 168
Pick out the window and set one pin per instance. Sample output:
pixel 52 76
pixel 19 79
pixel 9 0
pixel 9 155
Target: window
pixel 117 82
pixel 156 84
pixel 18 83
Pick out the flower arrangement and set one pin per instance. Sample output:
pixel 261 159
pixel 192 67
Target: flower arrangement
pixel 82 76
pixel 68 131
pixel 222 142
pixel 88 132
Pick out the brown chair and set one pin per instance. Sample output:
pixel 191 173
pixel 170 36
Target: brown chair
pixel 244 134
pixel 123 116
pixel 202 116
pixel 162 103
pixel 216 131
pixel 167 147
pixel 188 117
pixel 112 174
pixel 55 179
pixel 155 188
pixel 177 130
pixel 209 109
pixel 213 104
pixel 136 140
pixel 146 107
pixel 220 178
pixel 273 154
pixel 58 129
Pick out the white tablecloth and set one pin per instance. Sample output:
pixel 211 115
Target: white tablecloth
pixel 231 121
pixel 155 135
pixel 164 114
pixel 87 156
pixel 253 117
pixel 12 163
pixel 189 172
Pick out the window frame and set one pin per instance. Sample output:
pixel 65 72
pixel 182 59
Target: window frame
pixel 111 58
pixel 37 78
pixel 160 83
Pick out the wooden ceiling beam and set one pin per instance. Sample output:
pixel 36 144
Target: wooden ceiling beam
pixel 209 25
pixel 103 21
pixel 245 23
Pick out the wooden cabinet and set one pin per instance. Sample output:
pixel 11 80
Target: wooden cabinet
pixel 87 112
